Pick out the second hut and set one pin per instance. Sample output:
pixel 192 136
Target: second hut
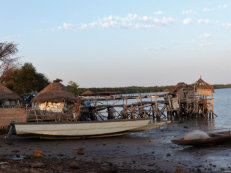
pixel 55 99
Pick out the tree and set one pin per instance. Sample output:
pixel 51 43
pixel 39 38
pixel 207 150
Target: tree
pixel 73 87
pixel 27 79
pixel 8 64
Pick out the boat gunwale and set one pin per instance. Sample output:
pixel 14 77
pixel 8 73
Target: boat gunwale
pixel 80 122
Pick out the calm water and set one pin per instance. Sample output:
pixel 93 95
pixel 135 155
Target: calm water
pixel 222 107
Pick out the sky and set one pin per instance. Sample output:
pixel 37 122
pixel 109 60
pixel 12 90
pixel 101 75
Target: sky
pixel 105 43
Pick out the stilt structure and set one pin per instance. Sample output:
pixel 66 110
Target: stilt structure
pixel 184 100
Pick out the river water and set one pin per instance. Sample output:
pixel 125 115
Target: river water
pixel 222 107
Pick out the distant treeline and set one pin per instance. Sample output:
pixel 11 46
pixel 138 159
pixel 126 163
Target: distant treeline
pixel 140 89
pixel 220 86
pixel 129 90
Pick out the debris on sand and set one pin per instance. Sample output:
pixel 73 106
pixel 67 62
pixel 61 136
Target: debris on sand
pixel 74 165
pixel 37 165
pixel 37 153
pixel 179 170
pixel 80 151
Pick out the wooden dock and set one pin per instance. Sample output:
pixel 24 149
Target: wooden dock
pixel 191 101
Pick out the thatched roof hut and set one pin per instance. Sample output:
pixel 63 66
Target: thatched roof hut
pixel 55 92
pixel 182 91
pixel 201 84
pixel 179 86
pixel 203 88
pixel 87 93
pixel 7 95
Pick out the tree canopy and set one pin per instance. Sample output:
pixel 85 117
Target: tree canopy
pixel 73 87
pixel 8 63
pixel 27 79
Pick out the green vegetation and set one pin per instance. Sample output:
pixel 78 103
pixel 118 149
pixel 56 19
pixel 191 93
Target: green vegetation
pixel 137 89
pixel 26 79
pixel 129 90
pixel 220 86
pixel 73 87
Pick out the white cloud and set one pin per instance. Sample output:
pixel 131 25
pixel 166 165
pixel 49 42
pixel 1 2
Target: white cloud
pixel 65 26
pixel 158 48
pixel 187 21
pixel 105 25
pixel 206 35
pixel 207 44
pixel 145 18
pixel 204 21
pixel 92 24
pixel 228 25
pixel 188 12
pixel 207 9
pixel 158 12
pixel 130 21
pixel 83 26
pixel 223 6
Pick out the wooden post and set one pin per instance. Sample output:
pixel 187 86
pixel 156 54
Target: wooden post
pixel 153 110
pixel 156 107
pixel 132 112
pixel 140 99
pixel 212 106
pixel 110 116
pixel 35 113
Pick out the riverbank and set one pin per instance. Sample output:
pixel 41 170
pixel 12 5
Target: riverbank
pixel 150 151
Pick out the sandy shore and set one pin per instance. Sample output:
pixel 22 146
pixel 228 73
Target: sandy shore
pixel 150 151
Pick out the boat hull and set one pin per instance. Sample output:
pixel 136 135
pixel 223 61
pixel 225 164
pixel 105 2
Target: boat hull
pixel 215 138
pixel 81 129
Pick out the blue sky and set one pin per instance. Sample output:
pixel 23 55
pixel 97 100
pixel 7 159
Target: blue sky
pixel 105 43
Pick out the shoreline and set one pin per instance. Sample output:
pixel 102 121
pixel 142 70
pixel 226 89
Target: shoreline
pixel 149 151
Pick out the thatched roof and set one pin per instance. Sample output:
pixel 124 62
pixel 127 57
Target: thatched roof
pixel 7 94
pixel 201 84
pixel 87 93
pixel 178 87
pixel 55 92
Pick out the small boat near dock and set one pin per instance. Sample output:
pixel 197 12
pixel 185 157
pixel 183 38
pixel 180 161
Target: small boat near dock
pixel 213 139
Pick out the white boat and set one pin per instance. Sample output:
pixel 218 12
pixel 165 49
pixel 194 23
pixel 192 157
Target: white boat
pixel 151 126
pixel 82 129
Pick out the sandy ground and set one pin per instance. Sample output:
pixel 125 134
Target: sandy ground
pixel 150 151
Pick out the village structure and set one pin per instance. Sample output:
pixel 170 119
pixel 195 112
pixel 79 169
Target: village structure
pixel 56 103
pixel 191 100
pixel 10 107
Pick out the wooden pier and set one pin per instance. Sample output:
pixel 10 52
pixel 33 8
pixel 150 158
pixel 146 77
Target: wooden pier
pixel 191 101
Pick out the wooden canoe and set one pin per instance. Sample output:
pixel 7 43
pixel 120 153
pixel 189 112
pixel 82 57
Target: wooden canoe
pixel 214 138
